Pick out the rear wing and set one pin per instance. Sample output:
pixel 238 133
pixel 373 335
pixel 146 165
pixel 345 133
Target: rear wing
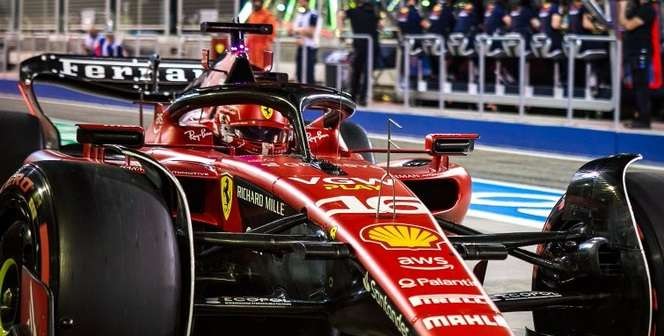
pixel 138 79
pixel 128 79
pixel 123 78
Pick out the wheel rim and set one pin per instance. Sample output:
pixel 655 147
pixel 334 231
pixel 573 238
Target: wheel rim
pixel 9 295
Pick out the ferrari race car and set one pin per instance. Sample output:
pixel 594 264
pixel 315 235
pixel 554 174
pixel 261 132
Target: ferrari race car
pixel 253 206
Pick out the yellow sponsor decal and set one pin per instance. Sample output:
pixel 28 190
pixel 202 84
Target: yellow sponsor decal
pixel 401 236
pixel 351 187
pixel 333 232
pixel 267 112
pixel 226 184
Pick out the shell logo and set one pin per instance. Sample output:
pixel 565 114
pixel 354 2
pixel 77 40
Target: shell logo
pixel 397 236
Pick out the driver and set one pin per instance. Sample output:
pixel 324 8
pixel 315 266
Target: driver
pixel 253 129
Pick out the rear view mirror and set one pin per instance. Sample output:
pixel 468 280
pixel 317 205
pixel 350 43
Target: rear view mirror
pixel 450 144
pixel 131 136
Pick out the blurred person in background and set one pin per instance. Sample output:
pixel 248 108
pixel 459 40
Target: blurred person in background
pixel 363 20
pixel 523 20
pixel 466 20
pixel 440 22
pixel 467 23
pixel 409 21
pixel 441 19
pixel 550 23
pixel 258 44
pixel 637 17
pixel 493 18
pixel 601 69
pixel 573 21
pixel 495 25
pixel 91 41
pixel 305 29
pixel 108 46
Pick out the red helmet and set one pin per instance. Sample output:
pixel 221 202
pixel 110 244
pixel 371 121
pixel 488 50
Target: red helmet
pixel 253 129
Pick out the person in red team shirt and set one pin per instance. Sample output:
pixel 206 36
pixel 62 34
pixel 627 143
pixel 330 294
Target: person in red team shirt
pixel 257 44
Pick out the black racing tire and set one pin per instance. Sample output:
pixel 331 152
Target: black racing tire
pixel 356 137
pixel 646 196
pixel 107 237
pixel 20 135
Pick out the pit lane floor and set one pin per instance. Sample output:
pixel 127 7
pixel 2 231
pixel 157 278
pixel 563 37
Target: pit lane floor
pixel 533 181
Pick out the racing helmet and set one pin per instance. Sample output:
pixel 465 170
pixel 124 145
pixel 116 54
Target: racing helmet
pixel 253 129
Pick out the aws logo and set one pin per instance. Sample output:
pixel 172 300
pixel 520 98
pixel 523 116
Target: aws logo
pixel 226 184
pixel 395 236
pixel 425 263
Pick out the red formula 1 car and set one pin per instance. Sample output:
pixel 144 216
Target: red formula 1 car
pixel 253 206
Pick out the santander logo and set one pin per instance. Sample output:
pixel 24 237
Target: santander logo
pixel 425 263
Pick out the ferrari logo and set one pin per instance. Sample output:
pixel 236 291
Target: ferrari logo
pixel 226 184
pixel 333 232
pixel 401 236
pixel 267 112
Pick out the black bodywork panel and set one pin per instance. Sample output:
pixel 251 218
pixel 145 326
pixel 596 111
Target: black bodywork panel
pixel 613 261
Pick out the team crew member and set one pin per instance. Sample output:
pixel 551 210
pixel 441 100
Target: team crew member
pixel 441 19
pixel 550 22
pixel 257 44
pixel 363 20
pixel 466 21
pixel 522 20
pixel 574 19
pixel 91 41
pixel 410 23
pixel 306 22
pixel 109 47
pixel 493 17
pixel 409 19
pixel 637 19
pixel 440 23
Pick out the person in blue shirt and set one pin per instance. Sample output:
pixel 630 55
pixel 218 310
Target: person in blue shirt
pixel 574 20
pixel 440 22
pixel 410 23
pixel 493 17
pixel 466 19
pixel 466 23
pixel 441 19
pixel 409 19
pixel 304 29
pixel 550 23
pixel 108 46
pixel 522 20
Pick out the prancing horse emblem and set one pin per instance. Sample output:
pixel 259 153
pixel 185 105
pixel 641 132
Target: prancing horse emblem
pixel 267 112
pixel 226 184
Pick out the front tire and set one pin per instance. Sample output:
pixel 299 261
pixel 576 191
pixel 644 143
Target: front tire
pixel 646 196
pixel 102 240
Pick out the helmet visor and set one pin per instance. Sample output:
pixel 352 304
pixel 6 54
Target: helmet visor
pixel 271 135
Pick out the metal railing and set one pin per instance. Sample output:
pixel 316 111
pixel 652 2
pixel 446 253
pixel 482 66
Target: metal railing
pixel 4 55
pixel 615 56
pixel 438 50
pixel 370 61
pixel 23 45
pixel 484 42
